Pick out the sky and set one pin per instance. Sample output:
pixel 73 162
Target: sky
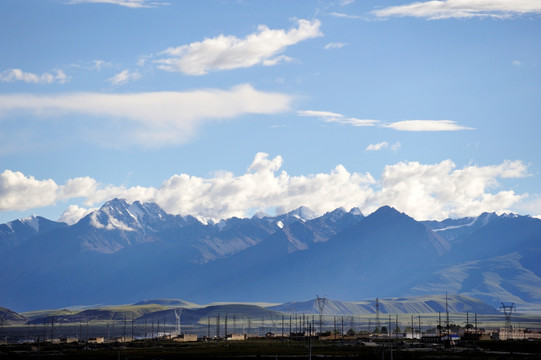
pixel 223 108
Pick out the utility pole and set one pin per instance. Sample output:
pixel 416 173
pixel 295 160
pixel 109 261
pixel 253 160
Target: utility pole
pixel 378 325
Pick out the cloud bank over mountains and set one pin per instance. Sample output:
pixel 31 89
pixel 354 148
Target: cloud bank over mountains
pixel 424 191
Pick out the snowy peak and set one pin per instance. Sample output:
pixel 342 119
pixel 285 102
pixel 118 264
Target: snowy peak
pixel 32 221
pixel 16 232
pixel 303 213
pixel 115 215
pixel 118 214
pixel 300 214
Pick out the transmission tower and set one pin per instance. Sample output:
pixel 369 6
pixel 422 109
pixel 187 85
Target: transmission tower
pixel 178 313
pixel 321 302
pixel 508 311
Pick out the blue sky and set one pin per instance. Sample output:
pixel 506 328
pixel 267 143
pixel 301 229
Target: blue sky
pixel 225 108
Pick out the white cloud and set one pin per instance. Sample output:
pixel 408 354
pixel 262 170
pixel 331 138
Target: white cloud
pixel 20 192
pixel 99 64
pixel 440 191
pixel 125 3
pixel 346 2
pixel 383 145
pixel 149 119
pixel 328 116
pixel 444 9
pixel 517 62
pixel 335 45
pixel 378 146
pixel 424 191
pixel 406 125
pixel 124 76
pixel 426 125
pixel 229 52
pixel 74 213
pixel 46 78
pixel 345 16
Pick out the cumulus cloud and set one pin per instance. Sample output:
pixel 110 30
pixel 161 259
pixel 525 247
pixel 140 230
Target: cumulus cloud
pixel 426 125
pixel 125 3
pixel 124 76
pixel 440 191
pixel 74 213
pixel 328 116
pixel 152 118
pixel 57 76
pixel 20 192
pixel 444 9
pixel 424 191
pixel 229 52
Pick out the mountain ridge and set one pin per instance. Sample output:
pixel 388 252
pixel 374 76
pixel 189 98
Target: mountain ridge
pixel 123 252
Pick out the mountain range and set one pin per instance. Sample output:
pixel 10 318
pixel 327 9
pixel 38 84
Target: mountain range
pixel 124 252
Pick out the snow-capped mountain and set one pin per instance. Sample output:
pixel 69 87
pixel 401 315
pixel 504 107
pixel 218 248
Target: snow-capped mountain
pixel 14 233
pixel 123 252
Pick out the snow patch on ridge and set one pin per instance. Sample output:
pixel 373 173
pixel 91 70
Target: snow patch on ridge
pixel 112 223
pixel 32 221
pixel 455 226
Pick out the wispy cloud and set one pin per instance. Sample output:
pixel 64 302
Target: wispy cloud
pixel 517 63
pixel 124 76
pixel 100 64
pixel 151 119
pixel 229 52
pixel 424 191
pixel 335 45
pixel 126 3
pixel 327 116
pixel 383 145
pixel 406 125
pixel 378 146
pixel 345 16
pixel 57 76
pixel 426 125
pixel 444 9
